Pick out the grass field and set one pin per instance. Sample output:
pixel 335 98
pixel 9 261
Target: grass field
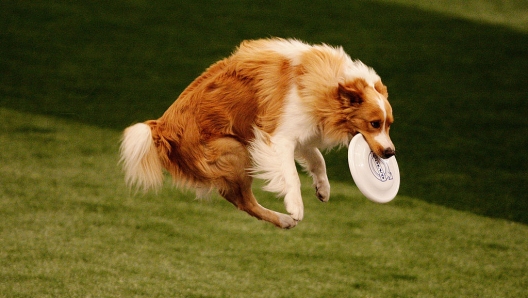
pixel 513 14
pixel 69 228
pixel 74 74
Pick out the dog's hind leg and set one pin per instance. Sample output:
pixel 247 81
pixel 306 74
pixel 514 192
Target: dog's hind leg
pixel 241 195
pixel 231 165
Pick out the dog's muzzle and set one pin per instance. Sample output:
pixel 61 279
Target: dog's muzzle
pixel 388 152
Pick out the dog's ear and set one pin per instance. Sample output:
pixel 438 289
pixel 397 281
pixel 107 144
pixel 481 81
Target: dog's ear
pixel 349 94
pixel 382 89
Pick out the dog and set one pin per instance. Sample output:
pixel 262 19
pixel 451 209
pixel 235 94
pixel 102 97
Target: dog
pixel 253 115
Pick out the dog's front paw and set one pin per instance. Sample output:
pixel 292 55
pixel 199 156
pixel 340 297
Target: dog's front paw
pixel 294 206
pixel 322 191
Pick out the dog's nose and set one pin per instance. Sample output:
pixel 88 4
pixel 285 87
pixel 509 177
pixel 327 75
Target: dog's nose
pixel 388 152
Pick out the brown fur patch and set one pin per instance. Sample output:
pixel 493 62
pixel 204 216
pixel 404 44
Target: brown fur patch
pixel 226 101
pixel 382 89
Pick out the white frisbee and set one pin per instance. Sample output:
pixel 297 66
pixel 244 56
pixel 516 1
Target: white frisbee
pixel 378 179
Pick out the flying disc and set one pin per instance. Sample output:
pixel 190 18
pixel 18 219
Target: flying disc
pixel 377 178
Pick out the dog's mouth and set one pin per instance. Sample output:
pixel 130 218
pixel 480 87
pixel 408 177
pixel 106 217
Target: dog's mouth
pixel 384 153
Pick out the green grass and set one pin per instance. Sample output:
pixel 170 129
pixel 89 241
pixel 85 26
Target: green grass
pixel 74 74
pixel 509 13
pixel 69 228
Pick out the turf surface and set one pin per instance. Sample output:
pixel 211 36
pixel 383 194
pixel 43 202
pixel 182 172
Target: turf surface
pixel 69 228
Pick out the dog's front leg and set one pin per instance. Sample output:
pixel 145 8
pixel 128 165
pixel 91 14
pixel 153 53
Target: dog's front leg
pixel 274 161
pixel 313 162
pixel 290 178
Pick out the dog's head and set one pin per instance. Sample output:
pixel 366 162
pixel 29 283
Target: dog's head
pixel 368 112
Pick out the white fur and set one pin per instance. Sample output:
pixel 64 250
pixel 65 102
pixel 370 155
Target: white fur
pixel 140 159
pixel 383 137
pixel 291 49
pixel 274 156
pixel 312 160
pixel 357 69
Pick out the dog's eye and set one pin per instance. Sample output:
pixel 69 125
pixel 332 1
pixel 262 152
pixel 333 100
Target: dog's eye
pixel 375 124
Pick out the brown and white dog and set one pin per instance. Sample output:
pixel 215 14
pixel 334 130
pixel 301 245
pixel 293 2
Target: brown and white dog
pixel 273 101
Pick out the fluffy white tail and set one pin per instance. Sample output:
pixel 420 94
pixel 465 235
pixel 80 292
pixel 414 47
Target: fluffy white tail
pixel 139 157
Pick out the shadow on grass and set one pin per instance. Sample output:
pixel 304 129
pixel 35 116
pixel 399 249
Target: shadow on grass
pixel 458 88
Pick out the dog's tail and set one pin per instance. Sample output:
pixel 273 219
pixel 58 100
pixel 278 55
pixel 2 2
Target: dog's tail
pixel 139 158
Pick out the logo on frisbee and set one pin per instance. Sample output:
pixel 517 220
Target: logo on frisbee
pixel 379 168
